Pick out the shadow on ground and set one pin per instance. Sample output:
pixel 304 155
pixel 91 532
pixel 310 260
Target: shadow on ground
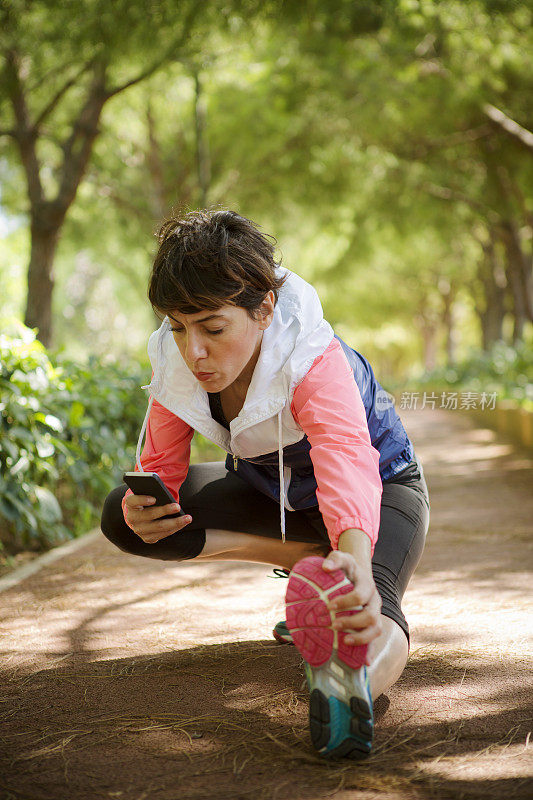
pixel 234 716
pixel 97 702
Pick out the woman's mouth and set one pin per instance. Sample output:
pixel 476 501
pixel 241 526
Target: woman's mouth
pixel 203 376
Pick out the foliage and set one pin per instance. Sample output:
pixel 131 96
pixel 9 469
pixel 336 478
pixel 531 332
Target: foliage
pixel 356 132
pixel 506 370
pixel 68 432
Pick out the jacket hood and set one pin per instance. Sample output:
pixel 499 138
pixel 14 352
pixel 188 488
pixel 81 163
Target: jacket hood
pixel 297 334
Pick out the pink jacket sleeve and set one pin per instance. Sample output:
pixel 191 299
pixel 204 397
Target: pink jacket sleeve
pixel 327 405
pixel 166 450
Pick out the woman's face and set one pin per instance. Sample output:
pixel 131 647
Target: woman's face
pixel 221 346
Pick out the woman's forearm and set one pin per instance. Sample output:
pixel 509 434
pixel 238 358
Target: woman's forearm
pixel 356 543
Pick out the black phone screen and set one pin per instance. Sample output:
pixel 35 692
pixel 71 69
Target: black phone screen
pixel 150 484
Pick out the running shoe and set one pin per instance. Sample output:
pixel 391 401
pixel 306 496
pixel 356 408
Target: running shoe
pixel 281 633
pixel 340 704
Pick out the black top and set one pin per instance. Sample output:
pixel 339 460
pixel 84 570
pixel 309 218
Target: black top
pixel 215 406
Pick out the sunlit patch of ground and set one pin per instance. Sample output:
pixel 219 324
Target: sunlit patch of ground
pixel 128 678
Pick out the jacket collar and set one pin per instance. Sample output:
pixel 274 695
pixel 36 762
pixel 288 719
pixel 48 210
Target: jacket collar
pixel 297 334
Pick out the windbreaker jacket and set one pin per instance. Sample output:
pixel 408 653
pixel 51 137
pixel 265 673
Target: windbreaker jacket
pixel 315 428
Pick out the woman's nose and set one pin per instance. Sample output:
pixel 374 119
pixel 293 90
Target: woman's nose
pixel 195 349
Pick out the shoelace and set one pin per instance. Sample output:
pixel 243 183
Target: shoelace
pixel 279 572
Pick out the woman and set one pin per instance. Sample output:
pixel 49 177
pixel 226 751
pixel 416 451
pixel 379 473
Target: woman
pixel 320 478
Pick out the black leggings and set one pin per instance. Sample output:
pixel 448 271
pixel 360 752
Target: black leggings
pixel 219 499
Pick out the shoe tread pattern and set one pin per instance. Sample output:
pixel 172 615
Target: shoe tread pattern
pixel 309 619
pixel 319 718
pixel 358 741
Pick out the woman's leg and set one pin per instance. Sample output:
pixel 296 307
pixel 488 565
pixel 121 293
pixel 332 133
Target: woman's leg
pixel 179 547
pixel 389 656
pixel 231 521
pixel 211 493
pixel 389 651
pixel 403 527
pixel 223 545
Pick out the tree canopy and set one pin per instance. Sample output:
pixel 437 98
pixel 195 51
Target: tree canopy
pixel 387 146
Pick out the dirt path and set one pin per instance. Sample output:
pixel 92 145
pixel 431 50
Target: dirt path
pixel 130 679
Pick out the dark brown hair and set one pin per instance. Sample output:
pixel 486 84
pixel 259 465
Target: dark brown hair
pixel 207 259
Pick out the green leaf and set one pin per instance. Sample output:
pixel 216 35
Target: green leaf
pixel 7 510
pixel 53 422
pixel 49 508
pixel 45 449
pixel 23 508
pixel 22 465
pixel 10 448
pixel 17 432
pixel 76 414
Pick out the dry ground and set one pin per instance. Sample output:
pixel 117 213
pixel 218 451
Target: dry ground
pixel 132 679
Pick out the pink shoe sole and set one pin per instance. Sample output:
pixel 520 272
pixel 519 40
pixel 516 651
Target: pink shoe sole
pixel 309 619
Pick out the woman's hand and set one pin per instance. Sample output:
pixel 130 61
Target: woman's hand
pixel 365 626
pixel 146 522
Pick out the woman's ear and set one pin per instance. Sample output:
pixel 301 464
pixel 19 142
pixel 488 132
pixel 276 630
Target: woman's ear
pixel 266 310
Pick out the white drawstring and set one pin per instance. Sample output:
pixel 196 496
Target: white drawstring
pixel 141 435
pixel 281 478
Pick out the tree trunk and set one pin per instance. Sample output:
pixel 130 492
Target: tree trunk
pixel 427 322
pixel 428 330
pixel 48 215
pixel 492 278
pixel 447 290
pixel 519 263
pixel 430 346
pixel 202 147
pixel 514 270
pixel 158 204
pixel 41 280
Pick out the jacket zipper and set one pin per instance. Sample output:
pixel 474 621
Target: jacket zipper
pixel 235 463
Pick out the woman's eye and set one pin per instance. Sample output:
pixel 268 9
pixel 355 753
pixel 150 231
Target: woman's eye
pixel 182 330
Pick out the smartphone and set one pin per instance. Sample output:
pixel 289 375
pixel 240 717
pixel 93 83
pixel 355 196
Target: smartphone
pixel 149 483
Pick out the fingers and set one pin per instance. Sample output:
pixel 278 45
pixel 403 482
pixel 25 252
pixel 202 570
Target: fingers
pixel 161 511
pixel 147 519
pixel 339 560
pixel 153 532
pixel 359 596
pixel 370 652
pixel 364 637
pixel 361 619
pixel 360 574
pixel 138 500
pixel 363 627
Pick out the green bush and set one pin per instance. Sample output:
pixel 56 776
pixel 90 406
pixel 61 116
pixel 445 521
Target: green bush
pixel 506 370
pixel 68 431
